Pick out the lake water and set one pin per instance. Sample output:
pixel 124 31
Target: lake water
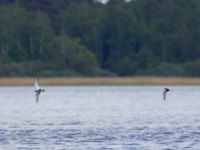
pixel 100 118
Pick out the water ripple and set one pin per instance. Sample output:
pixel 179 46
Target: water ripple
pixel 102 118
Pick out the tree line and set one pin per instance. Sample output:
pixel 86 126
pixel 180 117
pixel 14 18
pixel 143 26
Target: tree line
pixel 88 38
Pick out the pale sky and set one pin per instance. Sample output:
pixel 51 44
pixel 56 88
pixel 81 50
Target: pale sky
pixel 105 1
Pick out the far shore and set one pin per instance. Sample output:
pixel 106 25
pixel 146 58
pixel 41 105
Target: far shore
pixel 28 81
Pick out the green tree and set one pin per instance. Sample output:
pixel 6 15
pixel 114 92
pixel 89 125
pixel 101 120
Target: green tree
pixel 77 56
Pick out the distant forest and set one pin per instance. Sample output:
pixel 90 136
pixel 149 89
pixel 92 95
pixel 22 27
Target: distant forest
pixel 88 38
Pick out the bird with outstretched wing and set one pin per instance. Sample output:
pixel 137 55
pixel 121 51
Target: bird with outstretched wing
pixel 165 91
pixel 38 90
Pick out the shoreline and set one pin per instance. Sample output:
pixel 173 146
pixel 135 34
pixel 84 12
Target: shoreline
pixel 28 81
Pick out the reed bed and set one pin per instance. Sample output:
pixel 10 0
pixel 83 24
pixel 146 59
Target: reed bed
pixel 23 81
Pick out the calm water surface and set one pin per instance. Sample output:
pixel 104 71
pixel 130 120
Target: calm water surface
pixel 100 117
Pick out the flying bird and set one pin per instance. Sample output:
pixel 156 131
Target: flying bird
pixel 165 93
pixel 38 90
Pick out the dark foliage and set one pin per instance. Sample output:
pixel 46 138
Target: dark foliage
pixel 87 38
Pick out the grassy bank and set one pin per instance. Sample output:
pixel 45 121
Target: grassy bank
pixel 18 81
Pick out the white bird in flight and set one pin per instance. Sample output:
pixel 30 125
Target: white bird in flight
pixel 165 93
pixel 38 90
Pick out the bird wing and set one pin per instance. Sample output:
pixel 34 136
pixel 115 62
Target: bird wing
pixel 164 95
pixel 37 96
pixel 37 87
